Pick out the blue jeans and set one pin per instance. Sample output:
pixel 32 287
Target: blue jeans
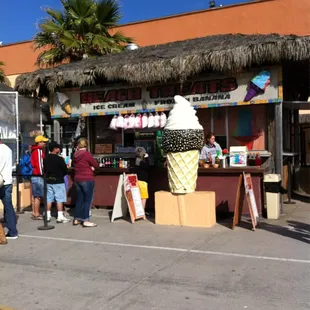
pixel 85 194
pixel 9 213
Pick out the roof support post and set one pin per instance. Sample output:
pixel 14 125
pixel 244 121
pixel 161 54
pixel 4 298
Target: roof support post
pixel 279 142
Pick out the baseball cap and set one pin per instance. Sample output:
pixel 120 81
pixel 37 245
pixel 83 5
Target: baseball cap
pixel 53 145
pixel 40 138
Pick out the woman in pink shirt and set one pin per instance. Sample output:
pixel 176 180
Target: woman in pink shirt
pixel 84 166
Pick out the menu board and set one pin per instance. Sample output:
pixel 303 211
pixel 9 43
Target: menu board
pixel 133 197
pixel 249 193
pixel 245 187
pixel 103 148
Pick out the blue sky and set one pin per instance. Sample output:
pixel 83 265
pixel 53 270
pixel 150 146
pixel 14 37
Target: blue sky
pixel 19 17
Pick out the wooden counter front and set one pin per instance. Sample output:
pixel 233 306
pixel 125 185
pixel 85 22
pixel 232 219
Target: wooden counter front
pixel 223 181
pixel 106 182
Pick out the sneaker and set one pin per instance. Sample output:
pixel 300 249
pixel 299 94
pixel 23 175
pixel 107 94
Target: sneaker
pixel 49 219
pixel 63 220
pixel 11 237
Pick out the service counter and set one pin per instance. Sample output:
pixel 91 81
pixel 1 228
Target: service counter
pixel 106 182
pixel 223 181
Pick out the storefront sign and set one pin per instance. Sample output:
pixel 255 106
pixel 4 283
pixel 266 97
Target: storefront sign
pixel 211 91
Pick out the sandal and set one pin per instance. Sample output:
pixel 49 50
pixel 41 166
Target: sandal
pixel 90 224
pixel 37 218
pixel 76 223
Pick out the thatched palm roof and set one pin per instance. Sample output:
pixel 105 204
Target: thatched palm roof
pixel 173 61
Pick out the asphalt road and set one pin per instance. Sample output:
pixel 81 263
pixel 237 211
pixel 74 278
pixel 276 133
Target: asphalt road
pixel 146 266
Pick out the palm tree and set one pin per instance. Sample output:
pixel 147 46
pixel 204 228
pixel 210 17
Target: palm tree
pixel 83 29
pixel 3 78
pixel 2 75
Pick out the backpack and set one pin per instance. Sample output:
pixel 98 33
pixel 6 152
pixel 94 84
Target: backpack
pixel 25 166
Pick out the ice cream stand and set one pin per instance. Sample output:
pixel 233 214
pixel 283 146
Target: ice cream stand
pixel 241 105
pixel 243 120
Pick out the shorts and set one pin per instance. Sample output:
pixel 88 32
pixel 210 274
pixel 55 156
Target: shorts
pixel 143 190
pixel 56 192
pixel 37 185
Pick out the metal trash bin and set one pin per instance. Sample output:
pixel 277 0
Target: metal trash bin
pixel 272 183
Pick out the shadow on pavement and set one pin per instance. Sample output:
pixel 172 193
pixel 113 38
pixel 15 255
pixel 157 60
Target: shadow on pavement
pixel 301 198
pixel 295 230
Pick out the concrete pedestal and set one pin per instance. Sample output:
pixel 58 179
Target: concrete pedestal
pixel 196 209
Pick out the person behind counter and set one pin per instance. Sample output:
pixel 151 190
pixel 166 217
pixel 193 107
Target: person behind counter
pixel 211 148
pixel 142 171
pixel 84 166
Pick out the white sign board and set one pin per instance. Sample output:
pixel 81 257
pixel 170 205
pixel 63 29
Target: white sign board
pixel 250 196
pixel 120 208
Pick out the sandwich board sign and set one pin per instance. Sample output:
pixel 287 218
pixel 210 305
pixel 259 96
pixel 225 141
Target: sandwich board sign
pixel 245 187
pixel 128 198
pixel 133 197
pixel 120 208
pixel 249 194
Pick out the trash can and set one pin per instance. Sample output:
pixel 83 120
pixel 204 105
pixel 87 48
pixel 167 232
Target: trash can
pixel 272 184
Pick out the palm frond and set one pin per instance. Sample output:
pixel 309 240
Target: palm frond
pixel 83 27
pixel 108 13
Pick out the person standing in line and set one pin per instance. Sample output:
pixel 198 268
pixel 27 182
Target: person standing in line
pixel 37 182
pixel 84 166
pixel 6 188
pixel 55 170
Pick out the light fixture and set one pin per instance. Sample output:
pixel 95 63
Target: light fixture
pixel 132 47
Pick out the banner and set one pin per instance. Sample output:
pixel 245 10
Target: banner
pixel 205 91
pixel 8 115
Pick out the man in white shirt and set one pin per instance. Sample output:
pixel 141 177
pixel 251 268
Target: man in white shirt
pixel 6 190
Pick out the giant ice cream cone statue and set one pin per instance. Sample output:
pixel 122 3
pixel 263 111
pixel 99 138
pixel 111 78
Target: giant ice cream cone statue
pixel 258 85
pixel 182 141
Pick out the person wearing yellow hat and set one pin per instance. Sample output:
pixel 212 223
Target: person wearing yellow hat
pixel 37 157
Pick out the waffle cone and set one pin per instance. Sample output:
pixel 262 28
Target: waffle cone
pixel 67 108
pixel 182 171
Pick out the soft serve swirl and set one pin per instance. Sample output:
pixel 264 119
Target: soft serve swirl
pixel 182 116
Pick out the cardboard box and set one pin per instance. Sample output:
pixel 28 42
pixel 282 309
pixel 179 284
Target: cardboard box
pixel 25 196
pixel 196 209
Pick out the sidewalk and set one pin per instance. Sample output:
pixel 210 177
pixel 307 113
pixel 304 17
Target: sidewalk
pixel 146 266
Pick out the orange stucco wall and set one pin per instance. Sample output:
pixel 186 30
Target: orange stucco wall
pixel 19 58
pixel 265 16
